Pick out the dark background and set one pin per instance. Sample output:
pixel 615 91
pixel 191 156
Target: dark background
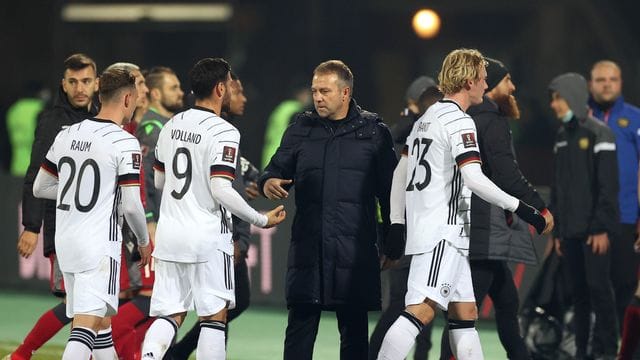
pixel 271 44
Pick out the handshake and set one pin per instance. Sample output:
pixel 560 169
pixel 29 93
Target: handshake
pixel 541 221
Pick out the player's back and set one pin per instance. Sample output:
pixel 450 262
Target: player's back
pixel 193 146
pixel 91 159
pixel 437 200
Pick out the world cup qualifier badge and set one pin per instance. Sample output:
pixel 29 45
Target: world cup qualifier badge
pixel 229 154
pixel 469 140
pixel 445 290
pixel 136 160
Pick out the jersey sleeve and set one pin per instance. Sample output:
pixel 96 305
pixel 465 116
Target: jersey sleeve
pixel 159 161
pixel 50 161
pixel 464 140
pixel 224 153
pixel 129 163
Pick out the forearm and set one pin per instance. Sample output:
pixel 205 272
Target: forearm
pixel 480 185
pixel 134 213
pixel 45 186
pixel 398 198
pixel 224 194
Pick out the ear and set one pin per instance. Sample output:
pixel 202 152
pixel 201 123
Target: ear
pixel 64 85
pixel 220 89
pixel 346 91
pixel 155 94
pixel 127 100
pixel 97 84
pixel 468 84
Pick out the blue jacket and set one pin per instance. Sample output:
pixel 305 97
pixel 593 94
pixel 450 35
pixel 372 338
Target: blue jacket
pixel 624 120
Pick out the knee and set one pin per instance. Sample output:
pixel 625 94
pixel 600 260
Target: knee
pixel 423 312
pixel 463 311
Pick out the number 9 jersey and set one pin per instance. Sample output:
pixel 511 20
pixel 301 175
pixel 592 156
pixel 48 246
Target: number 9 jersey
pixel 192 147
pixel 91 160
pixel 437 202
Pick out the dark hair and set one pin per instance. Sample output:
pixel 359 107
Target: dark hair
pixel 155 77
pixel 113 81
pixel 336 67
pixel 206 74
pixel 78 62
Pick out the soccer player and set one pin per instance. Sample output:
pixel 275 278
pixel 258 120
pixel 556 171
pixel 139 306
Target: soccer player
pixel 98 165
pixel 194 247
pixel 439 168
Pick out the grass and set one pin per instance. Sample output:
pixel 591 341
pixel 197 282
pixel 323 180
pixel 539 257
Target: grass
pixel 257 335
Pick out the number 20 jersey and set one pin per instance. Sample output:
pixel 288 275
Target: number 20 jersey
pixel 438 204
pixel 192 147
pixel 91 160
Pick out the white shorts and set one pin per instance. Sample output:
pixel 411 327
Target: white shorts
pixel 442 275
pixel 94 292
pixel 208 287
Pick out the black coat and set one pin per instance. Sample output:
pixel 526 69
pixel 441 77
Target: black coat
pixel 337 174
pixel 584 198
pixel 50 122
pixel 492 238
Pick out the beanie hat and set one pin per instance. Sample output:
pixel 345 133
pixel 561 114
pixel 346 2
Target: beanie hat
pixel 496 71
pixel 419 86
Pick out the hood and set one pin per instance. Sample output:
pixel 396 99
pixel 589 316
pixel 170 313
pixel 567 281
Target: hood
pixel 487 106
pixel 573 88
pixel 62 101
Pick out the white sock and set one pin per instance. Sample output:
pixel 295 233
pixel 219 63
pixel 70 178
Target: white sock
pixel 400 337
pixel 80 344
pixel 159 338
pixel 103 348
pixel 211 341
pixel 464 340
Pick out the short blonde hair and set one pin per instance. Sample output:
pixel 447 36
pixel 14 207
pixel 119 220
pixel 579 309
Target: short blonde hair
pixel 458 67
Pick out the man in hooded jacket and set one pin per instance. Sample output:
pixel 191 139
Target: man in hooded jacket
pixel 584 200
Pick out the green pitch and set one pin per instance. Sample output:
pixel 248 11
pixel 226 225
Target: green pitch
pixel 257 335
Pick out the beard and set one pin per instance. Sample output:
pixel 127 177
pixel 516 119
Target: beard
pixel 172 107
pixel 508 106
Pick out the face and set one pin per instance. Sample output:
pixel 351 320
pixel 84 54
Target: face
pixel 171 94
pixel 330 98
pixel 478 86
pixel 237 99
pixel 80 85
pixel 504 88
pixel 141 89
pixel 130 104
pixel 225 89
pixel 605 84
pixel 559 105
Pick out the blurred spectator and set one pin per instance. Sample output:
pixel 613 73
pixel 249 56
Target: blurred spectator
pixel 421 94
pixel 21 125
pixel 608 105
pixel 280 118
pixel 584 200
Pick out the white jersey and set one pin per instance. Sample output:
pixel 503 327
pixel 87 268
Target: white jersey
pixel 438 202
pixel 91 160
pixel 192 147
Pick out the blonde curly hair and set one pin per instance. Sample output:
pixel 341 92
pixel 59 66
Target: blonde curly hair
pixel 458 67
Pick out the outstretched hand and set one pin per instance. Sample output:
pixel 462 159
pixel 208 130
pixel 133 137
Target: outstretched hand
pixel 274 188
pixel 276 216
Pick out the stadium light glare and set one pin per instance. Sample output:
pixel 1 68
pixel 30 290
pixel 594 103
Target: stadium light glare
pixel 167 12
pixel 426 23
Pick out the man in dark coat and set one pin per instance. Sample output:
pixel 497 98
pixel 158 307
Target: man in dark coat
pixel 74 103
pixel 498 236
pixel 340 159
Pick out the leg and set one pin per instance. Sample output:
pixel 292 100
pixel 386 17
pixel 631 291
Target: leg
pixel 631 329
pixel 302 328
pixel 574 266
pixel 82 338
pixel 398 288
pixel 125 322
pixel 161 334
pixel 605 332
pixel 624 268
pixel 243 291
pixel 103 348
pixel 353 325
pixel 423 342
pixel 464 339
pixel 402 334
pixel 211 342
pixel 504 294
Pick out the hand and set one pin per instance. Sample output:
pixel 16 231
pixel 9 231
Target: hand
pixel 599 243
pixel 151 228
pixel 548 218
pixel 395 241
pixel 531 215
pixel 27 243
pixel 273 188
pixel 251 190
pixel 386 263
pixel 276 216
pixel 145 255
pixel 558 246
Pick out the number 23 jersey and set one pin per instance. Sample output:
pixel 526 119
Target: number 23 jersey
pixel 91 160
pixel 438 204
pixel 192 147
